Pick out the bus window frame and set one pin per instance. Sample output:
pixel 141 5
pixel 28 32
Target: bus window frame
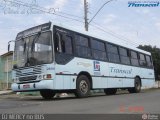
pixel 105 42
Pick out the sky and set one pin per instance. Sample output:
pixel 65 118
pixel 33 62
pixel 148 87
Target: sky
pixel 116 21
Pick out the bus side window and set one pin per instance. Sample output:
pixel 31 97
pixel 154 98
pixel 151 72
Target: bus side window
pixel 149 61
pixel 82 46
pixel 142 60
pixel 124 55
pixel 134 58
pixel 57 43
pixel 67 44
pixel 63 43
pixel 113 55
pixel 98 50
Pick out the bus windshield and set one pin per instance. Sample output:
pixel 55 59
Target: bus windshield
pixel 33 50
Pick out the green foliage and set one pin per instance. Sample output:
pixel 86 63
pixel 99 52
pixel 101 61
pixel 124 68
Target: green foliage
pixel 155 56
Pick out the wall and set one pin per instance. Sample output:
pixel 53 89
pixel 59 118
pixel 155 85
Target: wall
pixel 5 70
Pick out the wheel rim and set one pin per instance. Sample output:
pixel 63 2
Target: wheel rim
pixel 83 86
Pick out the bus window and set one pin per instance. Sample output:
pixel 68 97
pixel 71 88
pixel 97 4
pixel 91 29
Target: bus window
pixel 124 54
pixel 82 46
pixel 134 58
pixel 149 61
pixel 98 50
pixel 97 45
pixel 113 55
pixel 81 41
pixel 57 43
pixel 67 45
pixel 63 44
pixel 142 60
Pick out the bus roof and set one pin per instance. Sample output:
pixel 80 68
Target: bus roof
pixel 88 33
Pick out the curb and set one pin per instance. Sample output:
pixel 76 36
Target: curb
pixel 7 93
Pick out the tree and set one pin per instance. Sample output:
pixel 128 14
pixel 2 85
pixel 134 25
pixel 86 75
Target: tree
pixel 155 56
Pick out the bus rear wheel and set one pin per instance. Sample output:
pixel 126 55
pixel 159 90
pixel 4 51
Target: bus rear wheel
pixel 82 87
pixel 47 94
pixel 137 86
pixel 110 91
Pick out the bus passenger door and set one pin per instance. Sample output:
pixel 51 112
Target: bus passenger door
pixel 66 80
pixel 63 55
pixel 63 78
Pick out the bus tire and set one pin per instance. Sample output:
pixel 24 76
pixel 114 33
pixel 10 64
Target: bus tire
pixel 82 87
pixel 110 91
pixel 137 86
pixel 47 94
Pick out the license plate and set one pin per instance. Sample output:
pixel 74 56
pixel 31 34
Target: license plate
pixel 26 86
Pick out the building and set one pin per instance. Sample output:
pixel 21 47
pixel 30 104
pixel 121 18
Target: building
pixel 5 70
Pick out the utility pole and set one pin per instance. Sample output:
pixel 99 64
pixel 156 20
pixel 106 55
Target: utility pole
pixel 86 14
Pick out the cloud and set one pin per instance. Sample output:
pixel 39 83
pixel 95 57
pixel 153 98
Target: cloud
pixel 109 18
pixel 146 11
pixel 39 20
pixel 143 11
pixel 154 18
pixel 157 25
pixel 58 4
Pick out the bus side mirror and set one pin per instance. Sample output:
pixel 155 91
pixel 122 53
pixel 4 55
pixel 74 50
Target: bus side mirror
pixel 9 44
pixel 8 47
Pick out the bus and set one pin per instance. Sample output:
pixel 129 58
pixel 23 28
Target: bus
pixel 53 58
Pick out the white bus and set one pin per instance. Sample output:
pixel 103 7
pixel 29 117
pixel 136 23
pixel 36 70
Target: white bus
pixel 54 59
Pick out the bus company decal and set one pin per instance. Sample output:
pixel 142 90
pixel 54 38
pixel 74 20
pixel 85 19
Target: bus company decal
pixel 122 71
pixel 84 64
pixel 96 65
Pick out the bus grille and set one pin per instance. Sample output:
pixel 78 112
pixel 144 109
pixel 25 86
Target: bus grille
pixel 27 78
pixel 36 70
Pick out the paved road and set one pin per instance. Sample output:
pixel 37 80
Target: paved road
pixel 144 102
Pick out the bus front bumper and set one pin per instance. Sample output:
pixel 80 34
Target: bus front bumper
pixel 36 86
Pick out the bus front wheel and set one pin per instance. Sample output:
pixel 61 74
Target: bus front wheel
pixel 82 86
pixel 137 86
pixel 110 91
pixel 47 94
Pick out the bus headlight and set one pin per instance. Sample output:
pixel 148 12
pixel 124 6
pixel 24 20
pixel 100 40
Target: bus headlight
pixel 47 76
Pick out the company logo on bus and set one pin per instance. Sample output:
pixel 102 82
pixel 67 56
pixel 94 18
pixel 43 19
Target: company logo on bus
pixel 96 65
